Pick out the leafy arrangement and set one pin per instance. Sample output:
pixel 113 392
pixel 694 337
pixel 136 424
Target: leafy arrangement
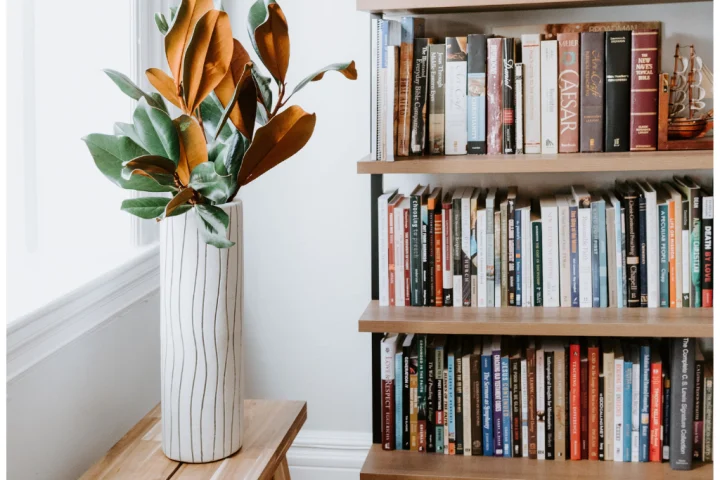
pixel 213 148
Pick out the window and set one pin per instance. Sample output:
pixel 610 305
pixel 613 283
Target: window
pixel 65 226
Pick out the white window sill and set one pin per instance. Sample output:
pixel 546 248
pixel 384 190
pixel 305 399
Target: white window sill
pixel 34 336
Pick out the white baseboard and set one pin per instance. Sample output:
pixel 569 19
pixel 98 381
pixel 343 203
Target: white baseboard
pixel 328 455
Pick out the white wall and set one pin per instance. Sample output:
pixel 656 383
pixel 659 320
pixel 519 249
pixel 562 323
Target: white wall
pixel 65 412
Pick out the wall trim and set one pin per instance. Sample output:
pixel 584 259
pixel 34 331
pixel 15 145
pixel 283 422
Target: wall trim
pixel 37 335
pixel 326 449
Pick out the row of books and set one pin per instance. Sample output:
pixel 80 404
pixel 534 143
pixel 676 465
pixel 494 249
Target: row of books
pixel 635 245
pixel 547 398
pixel 482 93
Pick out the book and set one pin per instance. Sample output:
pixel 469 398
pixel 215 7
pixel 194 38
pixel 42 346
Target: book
pixel 446 413
pixel 531 356
pixel 418 108
pixel 450 411
pixel 619 404
pixel 666 415
pixel 422 379
pixel 551 256
pixel 584 419
pixel 601 439
pixel 436 100
pixel 531 92
pixel 644 454
pixel 608 411
pixel 636 394
pixel 430 396
pixel 519 140
pixel 549 402
pixel 476 198
pixel 615 242
pixel 440 395
pixel 438 255
pixel 510 243
pixel 391 112
pixel 617 91
pixel 434 248
pixel 418 198
pixel 656 407
pixel 653 256
pixel 563 216
pixel 497 397
pixel 540 400
pixel 552 30
pixel 706 283
pixel 476 93
pixel 559 395
pixel 410 28
pixel 494 95
pixel 627 405
pixel 598 251
pixel 515 404
pixel 480 293
pixel 408 370
pixel 395 254
pixel 592 91
pixel 467 405
pixel 675 241
pixel 583 199
pixel 459 402
pixel 486 360
pixel 642 229
pixel 699 387
pixel 644 90
pixel 537 262
pixel 455 96
pixel 504 261
pixel 632 243
pixel 447 250
pixel 569 86
pixel 663 233
pixel 528 216
pixel 490 271
pixel 692 193
pixel 399 396
pixel 426 245
pixel 402 252
pixel 388 349
pixel 682 367
pixel 508 95
pixel 384 247
pixel 506 406
pixel 708 414
pixel 473 439
pixel 573 212
pixel 465 244
pixel 549 96
pixel 517 240
pixel 612 256
pixel 594 367
pixel 575 421
pixel 413 372
pixel 457 247
pixel 497 241
pixel 379 41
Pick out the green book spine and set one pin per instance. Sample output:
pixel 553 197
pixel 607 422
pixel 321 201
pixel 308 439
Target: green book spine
pixel 422 392
pixel 537 263
pixel 664 258
pixel 416 267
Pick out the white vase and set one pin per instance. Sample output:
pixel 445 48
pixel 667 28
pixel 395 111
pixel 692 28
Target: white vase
pixel 201 340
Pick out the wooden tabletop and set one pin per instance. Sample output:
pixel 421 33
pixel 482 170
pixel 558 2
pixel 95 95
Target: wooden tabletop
pixel 270 428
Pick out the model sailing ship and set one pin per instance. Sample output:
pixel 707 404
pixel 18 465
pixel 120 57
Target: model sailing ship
pixel 690 84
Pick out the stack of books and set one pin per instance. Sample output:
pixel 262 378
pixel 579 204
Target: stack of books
pixel 566 92
pixel 638 244
pixel 547 398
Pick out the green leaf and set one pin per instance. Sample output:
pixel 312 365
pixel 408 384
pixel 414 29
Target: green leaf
pixel 212 186
pixel 215 222
pixel 262 83
pixel 110 152
pixel 347 69
pixel 173 12
pixel 127 129
pixel 256 17
pixel 261 115
pixel 128 87
pixel 160 101
pixel 211 111
pixel 182 198
pixel 145 207
pixel 156 131
pixel 236 148
pixel 179 210
pixel 161 23
pixel 216 152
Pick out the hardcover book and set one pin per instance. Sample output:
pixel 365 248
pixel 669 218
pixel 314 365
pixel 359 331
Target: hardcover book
pixel 563 216
pixel 644 453
pixel 422 379
pixel 488 439
pixel 550 251
pixel 644 90
pixel 549 404
pixel 608 382
pixel 510 252
pixel 698 410
pixel 440 397
pixel 408 370
pixel 656 407
pixel 651 232
pixel 569 86
pixel 540 400
pixel 632 243
pixel 410 28
pixel 434 248
pixel 388 348
pixel 531 92
pixel 707 254
pixel 457 247
pixel 436 100
pixel 413 372
pixel 592 80
pixel 682 365
pixel 447 250
pixel 418 110
pixel 391 112
pixel 574 252
pixel 594 366
pixel 491 271
pixel 617 91
pixel 549 96
pixel 455 96
pixel 515 407
pixel 473 438
pixel 508 95
pixel 494 95
pixel 476 93
pixel 582 197
pixel 519 120
pixel 531 356
pixel 418 198
pixel 497 397
pixel 506 407
pixel 430 395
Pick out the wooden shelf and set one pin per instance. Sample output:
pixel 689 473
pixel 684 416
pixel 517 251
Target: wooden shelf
pixel 447 6
pixel 595 322
pixel 402 465
pixel 567 162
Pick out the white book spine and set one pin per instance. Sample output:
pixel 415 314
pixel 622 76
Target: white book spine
pixel 383 246
pixel 619 243
pixel 611 257
pixel 549 100
pixel 382 117
pixel 490 251
pixel 399 258
pixel 528 267
pixel 618 423
pixel 540 394
pixel 653 250
pixel 531 92
pixel 481 234
pixel 685 263
pixel 390 96
pixel 467 405
pixel 551 257
pixel 455 108
pixel 635 445
pixel 564 254
pixel 585 254
pixel 498 260
pixel 464 240
pixel 524 407
pixel 519 141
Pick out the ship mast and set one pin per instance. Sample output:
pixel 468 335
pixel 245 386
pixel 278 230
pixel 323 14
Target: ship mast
pixel 691 78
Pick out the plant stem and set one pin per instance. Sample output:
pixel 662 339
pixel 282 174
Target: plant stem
pixel 280 103
pixel 198 115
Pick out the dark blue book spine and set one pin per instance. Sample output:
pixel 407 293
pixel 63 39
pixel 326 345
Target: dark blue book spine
pixel 497 397
pixel 574 258
pixel 642 231
pixel 487 410
pixel 627 411
pixel 506 421
pixel 645 403
pixel 595 256
pixel 518 258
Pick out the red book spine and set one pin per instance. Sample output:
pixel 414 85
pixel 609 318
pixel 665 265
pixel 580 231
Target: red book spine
pixel 494 96
pixel 656 411
pixel 644 90
pixel 574 401
pixel 584 408
pixel 438 260
pixel 391 253
pixel 406 251
pixel 593 402
pixel 569 87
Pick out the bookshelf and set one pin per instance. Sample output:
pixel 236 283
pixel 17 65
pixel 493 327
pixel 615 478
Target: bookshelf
pixel 449 16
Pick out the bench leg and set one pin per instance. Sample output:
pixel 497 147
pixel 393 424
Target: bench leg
pixel 282 472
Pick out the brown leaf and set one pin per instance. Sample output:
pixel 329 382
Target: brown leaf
pixel 181 198
pixel 349 72
pixel 226 90
pixel 273 42
pixel 281 138
pixel 179 34
pixel 244 103
pixel 207 58
pixel 151 164
pixel 165 85
pixel 193 150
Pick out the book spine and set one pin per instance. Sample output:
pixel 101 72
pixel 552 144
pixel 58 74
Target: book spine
pixel 497 254
pixel 585 256
pixel 375 67
pixel 388 396
pixel 450 411
pixel 538 279
pixel 575 401
pixel 595 253
pixel 399 255
pixel 431 399
pixel 490 253
pixel 569 86
pixel 504 261
pixel 416 274
pixel 593 402
pixel 519 140
pixel 707 255
pixel 457 252
pixel 664 279
pixel 524 415
pixel 623 254
pixel 619 406
pixel 447 255
pixel 406 254
pixel 642 234
pixel 393 80
pixel 620 257
pixel 628 417
pixel 608 411
pixel 467 406
pixel 518 259
pixel 707 417
pixel 532 402
pixel 391 242
pixel 584 423
pixel 455 97
pixel 617 91
pixel 552 239
pixel 644 90
pixel 656 412
pixel 476 430
pixel 480 265
pixel 506 408
pixel 601 439
pixel 430 264
pixel 563 235
pixel 561 405
pixel 422 393
pixel 549 99
pixel 439 257
pixel 476 93
pixel 574 258
pixel 644 403
pixel 497 404
pixel 436 100
pixel 549 406
pixel 682 365
pixel 687 254
pixel 398 401
pixel 410 27
pixel 531 92
pixel 511 252
pixel 508 95
pixel 414 409
pixel 666 416
pixel 446 412
pixel 466 255
pixel 418 128
pixel 406 400
pixel 441 400
pixel 603 257
pixel 540 402
pixel 698 411
pixel 676 254
pixel 459 418
pixel 632 245
pixel 424 255
pixel 494 95
pixel 515 407
pixel 653 255
pixel 636 396
pixel 488 441
pixel 592 91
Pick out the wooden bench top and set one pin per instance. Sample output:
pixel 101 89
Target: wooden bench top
pixel 270 428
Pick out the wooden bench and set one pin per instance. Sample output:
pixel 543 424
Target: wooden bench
pixel 270 428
